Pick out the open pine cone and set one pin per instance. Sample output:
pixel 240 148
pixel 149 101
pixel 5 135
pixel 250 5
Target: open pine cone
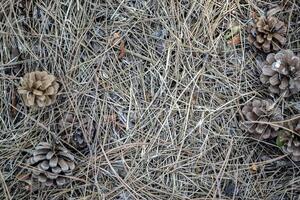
pixel 76 128
pixel 262 111
pixel 52 163
pixel 291 141
pixel 267 33
pixel 38 89
pixel 281 72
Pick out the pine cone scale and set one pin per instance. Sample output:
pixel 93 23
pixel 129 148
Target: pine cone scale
pixel 63 165
pixel 274 80
pixel 53 161
pixel 49 155
pixel 44 165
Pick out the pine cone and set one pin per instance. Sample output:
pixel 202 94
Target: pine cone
pixel 267 34
pixel 291 141
pixel 292 147
pixel 51 164
pixel 38 89
pixel 281 72
pixel 72 126
pixel 261 111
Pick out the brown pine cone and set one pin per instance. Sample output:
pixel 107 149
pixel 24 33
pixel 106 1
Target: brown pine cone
pixel 290 140
pixel 75 128
pixel 38 89
pixel 267 34
pixel 51 164
pixel 292 147
pixel 261 111
pixel 281 72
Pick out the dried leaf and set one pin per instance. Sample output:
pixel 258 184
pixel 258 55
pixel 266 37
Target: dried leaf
pixel 13 103
pixel 122 49
pixel 115 38
pixel 253 168
pixel 254 15
pixel 236 40
pixel 110 118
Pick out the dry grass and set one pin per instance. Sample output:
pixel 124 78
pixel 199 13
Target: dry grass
pixel 166 114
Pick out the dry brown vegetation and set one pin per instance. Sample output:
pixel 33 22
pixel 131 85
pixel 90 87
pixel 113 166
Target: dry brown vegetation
pixel 162 80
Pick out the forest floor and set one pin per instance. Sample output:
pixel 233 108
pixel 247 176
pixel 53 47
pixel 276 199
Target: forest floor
pixel 163 82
